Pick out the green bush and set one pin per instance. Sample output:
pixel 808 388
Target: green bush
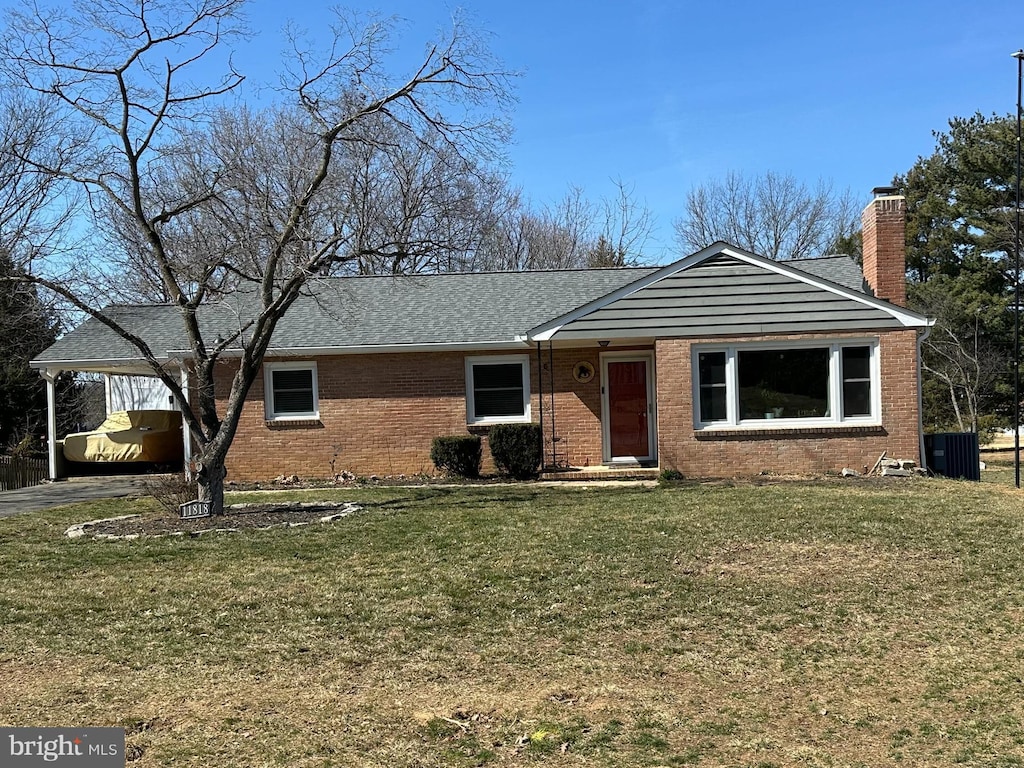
pixel 516 449
pixel 670 477
pixel 457 454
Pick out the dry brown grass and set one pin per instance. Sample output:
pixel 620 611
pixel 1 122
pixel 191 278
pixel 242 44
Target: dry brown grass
pixel 790 625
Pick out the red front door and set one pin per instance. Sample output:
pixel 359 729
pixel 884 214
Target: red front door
pixel 628 429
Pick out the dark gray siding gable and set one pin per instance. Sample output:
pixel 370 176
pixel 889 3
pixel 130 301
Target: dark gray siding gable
pixel 727 296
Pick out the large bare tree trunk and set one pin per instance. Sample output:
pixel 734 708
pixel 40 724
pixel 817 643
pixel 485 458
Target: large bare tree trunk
pixel 210 474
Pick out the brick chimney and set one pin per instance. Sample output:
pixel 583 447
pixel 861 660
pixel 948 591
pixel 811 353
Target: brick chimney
pixel 883 228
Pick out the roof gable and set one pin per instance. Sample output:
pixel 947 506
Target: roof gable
pixel 723 290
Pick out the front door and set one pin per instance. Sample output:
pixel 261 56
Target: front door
pixel 628 408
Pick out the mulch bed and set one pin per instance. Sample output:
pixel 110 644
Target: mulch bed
pixel 237 517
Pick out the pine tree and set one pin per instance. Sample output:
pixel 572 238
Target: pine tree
pixel 960 199
pixel 27 327
pixel 960 205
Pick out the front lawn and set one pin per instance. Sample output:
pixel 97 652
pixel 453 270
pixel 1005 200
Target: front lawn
pixel 826 624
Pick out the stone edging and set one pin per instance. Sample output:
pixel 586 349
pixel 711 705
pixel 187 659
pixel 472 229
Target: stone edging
pixel 80 530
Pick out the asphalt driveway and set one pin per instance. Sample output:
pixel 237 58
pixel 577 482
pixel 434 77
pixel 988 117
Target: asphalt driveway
pixel 68 492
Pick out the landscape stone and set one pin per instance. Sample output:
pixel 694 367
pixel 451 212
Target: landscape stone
pixel 895 472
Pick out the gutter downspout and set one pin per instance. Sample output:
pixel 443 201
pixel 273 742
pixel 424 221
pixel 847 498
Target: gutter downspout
pixel 921 338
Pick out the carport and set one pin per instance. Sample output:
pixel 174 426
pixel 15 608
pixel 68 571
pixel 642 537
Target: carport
pixel 122 369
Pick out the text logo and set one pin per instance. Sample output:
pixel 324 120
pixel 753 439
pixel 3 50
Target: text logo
pixel 71 747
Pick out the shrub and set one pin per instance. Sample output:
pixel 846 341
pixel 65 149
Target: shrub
pixel 28 446
pixel 457 454
pixel 516 449
pixel 670 477
pixel 171 491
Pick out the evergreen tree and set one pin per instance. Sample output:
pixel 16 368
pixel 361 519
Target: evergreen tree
pixel 960 199
pixel 27 327
pixel 604 255
pixel 960 205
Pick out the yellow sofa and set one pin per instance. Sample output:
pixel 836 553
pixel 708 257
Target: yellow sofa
pixel 153 436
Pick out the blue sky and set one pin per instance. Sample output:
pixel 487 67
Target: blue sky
pixel 666 95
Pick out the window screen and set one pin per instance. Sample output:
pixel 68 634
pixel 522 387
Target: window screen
pixel 293 391
pixel 856 381
pixel 713 390
pixel 497 390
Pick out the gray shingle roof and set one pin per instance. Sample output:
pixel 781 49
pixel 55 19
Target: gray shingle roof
pixel 158 325
pixel 842 270
pixel 441 309
pixel 476 308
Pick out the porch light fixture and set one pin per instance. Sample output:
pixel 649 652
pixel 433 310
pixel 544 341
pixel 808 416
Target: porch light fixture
pixel 603 342
pixel 1019 56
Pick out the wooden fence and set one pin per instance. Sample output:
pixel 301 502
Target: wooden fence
pixel 21 472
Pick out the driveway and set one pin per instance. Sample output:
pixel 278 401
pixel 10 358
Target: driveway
pixel 68 492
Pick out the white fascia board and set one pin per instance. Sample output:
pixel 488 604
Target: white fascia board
pixel 355 349
pixel 906 317
pixel 98 365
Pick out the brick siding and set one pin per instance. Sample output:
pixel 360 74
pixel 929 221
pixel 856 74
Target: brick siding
pixel 380 412
pixel 721 454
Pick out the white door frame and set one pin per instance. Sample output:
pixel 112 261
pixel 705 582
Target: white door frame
pixel 652 411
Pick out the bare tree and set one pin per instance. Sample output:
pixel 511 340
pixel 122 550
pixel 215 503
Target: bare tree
pixel 559 236
pixel 423 198
pixel 573 233
pixel 168 167
pixel 771 215
pixel 966 354
pixel 626 228
pixel 504 219
pixel 967 367
pixel 34 206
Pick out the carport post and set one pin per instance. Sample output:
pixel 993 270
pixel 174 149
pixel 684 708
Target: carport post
pixel 50 375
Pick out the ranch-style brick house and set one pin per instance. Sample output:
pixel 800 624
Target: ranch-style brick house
pixel 719 364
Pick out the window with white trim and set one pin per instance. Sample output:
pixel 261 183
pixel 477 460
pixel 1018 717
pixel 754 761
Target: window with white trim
pixel 291 391
pixel 765 385
pixel 498 389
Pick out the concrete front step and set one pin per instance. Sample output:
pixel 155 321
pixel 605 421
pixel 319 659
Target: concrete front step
pixel 612 472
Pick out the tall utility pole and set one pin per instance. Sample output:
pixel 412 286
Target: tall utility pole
pixel 1019 56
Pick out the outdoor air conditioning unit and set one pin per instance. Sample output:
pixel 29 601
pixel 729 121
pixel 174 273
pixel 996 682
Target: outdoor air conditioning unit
pixel 953 454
